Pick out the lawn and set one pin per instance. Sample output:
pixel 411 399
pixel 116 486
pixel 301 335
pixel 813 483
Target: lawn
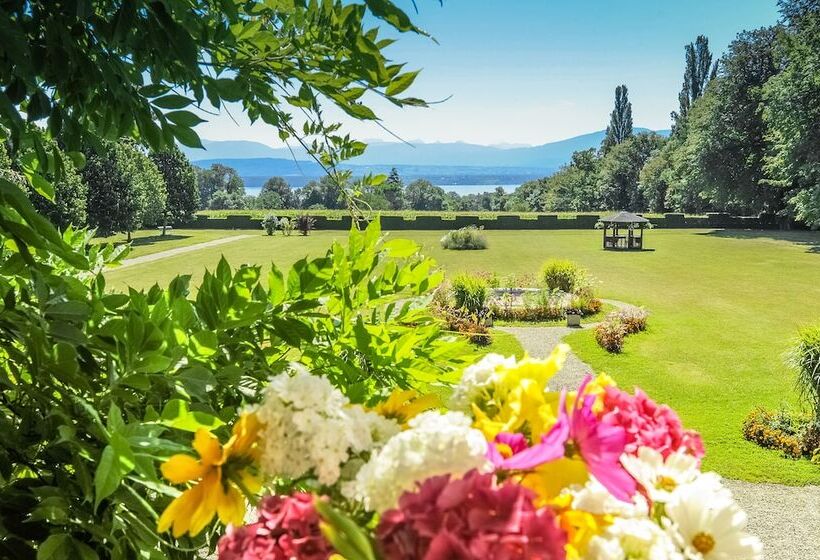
pixel 725 306
pixel 147 242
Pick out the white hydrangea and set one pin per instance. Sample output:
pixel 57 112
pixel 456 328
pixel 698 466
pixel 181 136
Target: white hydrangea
pixel 633 539
pixel 311 427
pixel 478 377
pixel 594 498
pixel 435 444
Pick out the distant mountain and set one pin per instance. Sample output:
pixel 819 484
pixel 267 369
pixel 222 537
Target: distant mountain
pixel 441 160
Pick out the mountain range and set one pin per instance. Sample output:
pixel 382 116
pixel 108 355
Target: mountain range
pixel 451 163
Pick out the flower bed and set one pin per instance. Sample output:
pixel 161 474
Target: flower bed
pixel 507 470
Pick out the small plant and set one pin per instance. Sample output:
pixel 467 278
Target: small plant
pixel 470 293
pixel 287 226
pixel 564 275
pixel 633 318
pixel 472 326
pixel 270 223
pixel 610 335
pixel 762 427
pixel 805 359
pixel 466 238
pixel 586 303
pixel 305 224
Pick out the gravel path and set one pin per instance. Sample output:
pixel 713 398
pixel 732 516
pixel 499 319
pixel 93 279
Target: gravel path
pixel 786 518
pixel 180 250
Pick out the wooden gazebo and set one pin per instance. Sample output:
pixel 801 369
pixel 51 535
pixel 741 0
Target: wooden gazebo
pixel 624 231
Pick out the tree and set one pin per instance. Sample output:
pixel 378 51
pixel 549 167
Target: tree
pixel 423 195
pixel 792 112
pixel 139 170
pixel 697 73
pixel 69 205
pixel 393 190
pixel 224 200
pixel 620 169
pixel 620 121
pixel 216 178
pixel 114 203
pixel 280 188
pixel 180 183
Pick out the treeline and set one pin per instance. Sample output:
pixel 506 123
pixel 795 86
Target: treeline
pixel 746 138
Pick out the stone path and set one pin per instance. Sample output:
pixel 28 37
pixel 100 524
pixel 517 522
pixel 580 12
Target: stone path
pixel 786 518
pixel 180 250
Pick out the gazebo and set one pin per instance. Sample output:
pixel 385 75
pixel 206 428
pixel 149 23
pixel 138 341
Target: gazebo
pixel 624 231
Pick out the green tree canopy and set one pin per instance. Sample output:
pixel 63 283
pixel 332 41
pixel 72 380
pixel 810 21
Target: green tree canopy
pixel 423 195
pixel 217 178
pixel 180 183
pixel 620 169
pixel 620 120
pixel 697 73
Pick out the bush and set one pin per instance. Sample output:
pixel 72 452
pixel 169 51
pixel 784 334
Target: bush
pixel 270 223
pixel 466 238
pixel 471 325
pixel 305 224
pixel 287 226
pixel 586 303
pixel 470 293
pixel 772 431
pixel 805 359
pixel 610 335
pixel 632 318
pixel 564 275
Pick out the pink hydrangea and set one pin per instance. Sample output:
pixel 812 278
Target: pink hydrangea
pixel 649 424
pixel 288 527
pixel 470 518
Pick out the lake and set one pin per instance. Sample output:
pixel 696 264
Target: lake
pixel 460 189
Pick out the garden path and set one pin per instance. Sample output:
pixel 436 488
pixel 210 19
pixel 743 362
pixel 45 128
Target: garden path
pixel 180 250
pixel 786 518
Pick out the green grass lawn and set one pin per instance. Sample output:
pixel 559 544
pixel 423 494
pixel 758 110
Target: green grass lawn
pixel 147 242
pixel 724 307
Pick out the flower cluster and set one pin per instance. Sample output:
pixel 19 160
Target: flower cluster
pixel 514 471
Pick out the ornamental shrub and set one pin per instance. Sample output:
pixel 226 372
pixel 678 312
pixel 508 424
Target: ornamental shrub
pixel 270 223
pixel 632 318
pixel 466 238
pixel 804 357
pixel 287 226
pixel 564 275
pixel 610 335
pixel 470 293
pixel 305 224
pixel 764 428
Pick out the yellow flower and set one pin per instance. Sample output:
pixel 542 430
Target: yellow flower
pixel 216 476
pixel 520 401
pixel 549 479
pixel 580 527
pixel 403 405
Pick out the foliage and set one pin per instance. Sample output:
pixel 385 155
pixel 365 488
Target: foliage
pixel 564 275
pixel 324 193
pixel 218 179
pixel 804 358
pixel 470 292
pixel 620 170
pixel 631 317
pixel 698 71
pixel 276 194
pixel 305 224
pixel 287 225
pixel 224 200
pixel 466 238
pixel 270 223
pixel 393 190
pixel 540 306
pixel 780 430
pixel 610 335
pixel 423 195
pixel 96 386
pixel 620 121
pixel 180 184
pixel 69 205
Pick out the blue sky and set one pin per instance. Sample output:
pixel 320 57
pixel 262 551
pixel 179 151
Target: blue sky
pixel 534 71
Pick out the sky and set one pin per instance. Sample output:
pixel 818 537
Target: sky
pixel 536 71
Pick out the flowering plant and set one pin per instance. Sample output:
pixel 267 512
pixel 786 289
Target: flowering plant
pixel 511 470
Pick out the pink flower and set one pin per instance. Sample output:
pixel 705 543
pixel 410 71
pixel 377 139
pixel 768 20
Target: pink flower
pixel 469 519
pixel 288 527
pixel 648 424
pixel 600 445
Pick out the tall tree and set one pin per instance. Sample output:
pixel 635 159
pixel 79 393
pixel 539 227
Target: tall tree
pixel 620 121
pixel 697 73
pixel 792 112
pixel 216 178
pixel 115 204
pixel 180 183
pixel 620 169
pixel 393 189
pixel 276 193
pixel 423 195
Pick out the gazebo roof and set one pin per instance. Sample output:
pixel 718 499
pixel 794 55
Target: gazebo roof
pixel 624 218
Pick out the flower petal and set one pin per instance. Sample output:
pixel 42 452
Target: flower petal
pixel 231 507
pixel 209 493
pixel 182 468
pixel 208 447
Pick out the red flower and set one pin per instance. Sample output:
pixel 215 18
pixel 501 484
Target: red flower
pixel 288 527
pixel 648 424
pixel 469 519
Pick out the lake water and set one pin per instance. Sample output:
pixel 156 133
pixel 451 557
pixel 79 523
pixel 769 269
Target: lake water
pixel 460 189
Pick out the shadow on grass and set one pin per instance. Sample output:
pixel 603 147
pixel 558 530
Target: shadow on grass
pixel 153 239
pixel 808 239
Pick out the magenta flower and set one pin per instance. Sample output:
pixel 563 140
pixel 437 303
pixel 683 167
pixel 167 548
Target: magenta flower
pixel 648 424
pixel 472 518
pixel 288 527
pixel 600 445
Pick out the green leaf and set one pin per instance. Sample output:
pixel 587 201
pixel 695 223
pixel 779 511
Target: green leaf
pixel 107 477
pixel 344 534
pixel 55 547
pixel 186 136
pixel 184 118
pixel 77 158
pixel 204 343
pixel 198 382
pixel 41 185
pixel 171 101
pixel 400 248
pixel 401 83
pixel 176 415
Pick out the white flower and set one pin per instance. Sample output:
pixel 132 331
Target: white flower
pixel 434 444
pixel 659 477
pixel 633 539
pixel 593 498
pixel 707 524
pixel 310 427
pixel 477 378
